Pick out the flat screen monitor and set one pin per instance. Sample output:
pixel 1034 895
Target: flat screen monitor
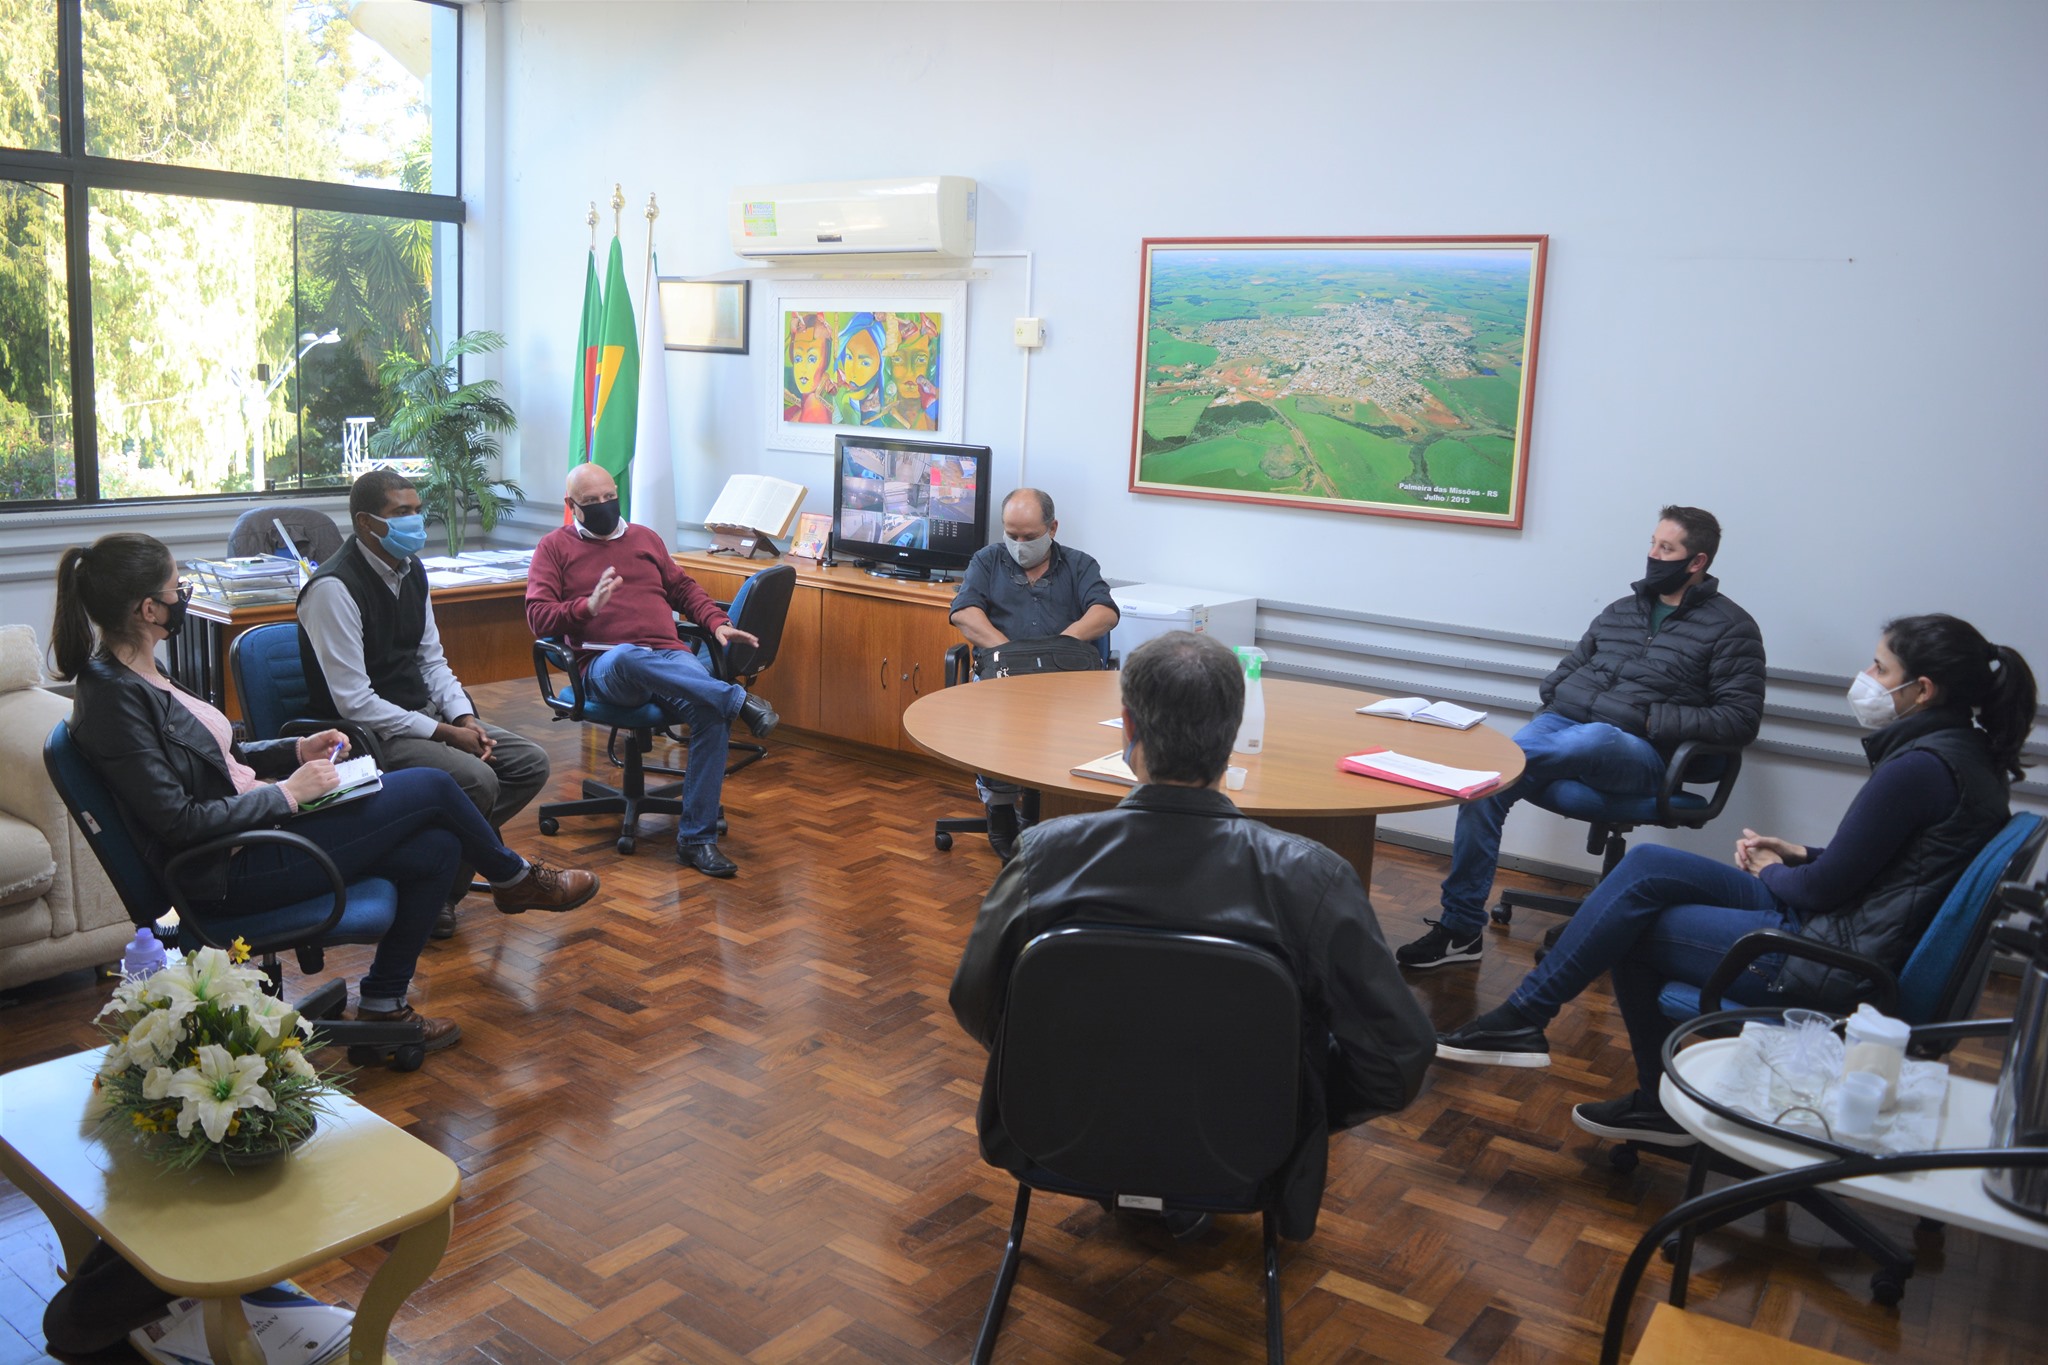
pixel 909 507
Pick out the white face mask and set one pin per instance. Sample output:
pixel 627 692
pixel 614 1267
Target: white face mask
pixel 1872 701
pixel 1029 554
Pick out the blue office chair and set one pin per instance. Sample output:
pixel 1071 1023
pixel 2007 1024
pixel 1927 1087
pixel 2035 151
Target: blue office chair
pixel 1610 820
pixel 1119 1080
pixel 356 912
pixel 760 607
pixel 270 676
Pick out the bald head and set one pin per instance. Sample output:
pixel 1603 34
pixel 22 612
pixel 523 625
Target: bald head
pixel 591 482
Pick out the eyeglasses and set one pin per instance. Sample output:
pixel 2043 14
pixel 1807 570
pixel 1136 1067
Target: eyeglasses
pixel 184 593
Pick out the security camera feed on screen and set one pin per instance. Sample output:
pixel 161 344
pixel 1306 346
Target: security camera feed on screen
pixel 913 499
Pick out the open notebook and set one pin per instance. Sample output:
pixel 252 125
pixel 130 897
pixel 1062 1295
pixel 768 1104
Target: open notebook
pixel 1388 766
pixel 1425 712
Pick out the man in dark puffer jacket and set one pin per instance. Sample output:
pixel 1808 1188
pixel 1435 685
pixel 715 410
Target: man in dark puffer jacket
pixel 1671 662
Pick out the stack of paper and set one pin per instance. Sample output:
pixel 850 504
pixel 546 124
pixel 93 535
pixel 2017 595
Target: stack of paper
pixel 1389 766
pixel 1425 712
pixel 289 1327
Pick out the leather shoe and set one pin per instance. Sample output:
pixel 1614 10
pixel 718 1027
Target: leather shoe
pixel 706 859
pixel 545 888
pixel 444 923
pixel 437 1033
pixel 759 716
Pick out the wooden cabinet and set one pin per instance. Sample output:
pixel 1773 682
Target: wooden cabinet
pixel 856 650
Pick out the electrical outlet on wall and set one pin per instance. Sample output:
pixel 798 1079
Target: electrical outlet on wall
pixel 1028 333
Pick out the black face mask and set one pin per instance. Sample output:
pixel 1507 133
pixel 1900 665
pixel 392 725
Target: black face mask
pixel 1667 575
pixel 174 620
pixel 600 518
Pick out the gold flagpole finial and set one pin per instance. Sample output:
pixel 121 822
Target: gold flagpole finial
pixel 653 211
pixel 618 207
pixel 592 221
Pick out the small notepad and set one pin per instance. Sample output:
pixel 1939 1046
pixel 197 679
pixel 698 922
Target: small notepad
pixel 1425 712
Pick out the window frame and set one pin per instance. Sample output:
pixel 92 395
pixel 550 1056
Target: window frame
pixel 79 174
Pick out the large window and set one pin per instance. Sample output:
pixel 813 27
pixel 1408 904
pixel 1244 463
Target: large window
pixel 217 217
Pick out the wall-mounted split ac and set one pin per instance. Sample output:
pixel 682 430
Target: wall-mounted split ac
pixel 930 215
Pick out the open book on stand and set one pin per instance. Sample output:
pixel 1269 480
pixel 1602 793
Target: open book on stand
pixel 1389 766
pixel 751 509
pixel 1425 712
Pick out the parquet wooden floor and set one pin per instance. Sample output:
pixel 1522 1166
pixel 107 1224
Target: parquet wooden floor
pixel 724 1122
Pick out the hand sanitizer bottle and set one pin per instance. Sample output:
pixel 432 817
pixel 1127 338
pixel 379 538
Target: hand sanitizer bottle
pixel 143 956
pixel 1251 731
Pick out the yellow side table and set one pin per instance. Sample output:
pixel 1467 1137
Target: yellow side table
pixel 214 1234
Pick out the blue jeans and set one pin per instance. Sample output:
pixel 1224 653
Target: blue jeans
pixel 1662 915
pixel 678 682
pixel 413 833
pixel 1554 750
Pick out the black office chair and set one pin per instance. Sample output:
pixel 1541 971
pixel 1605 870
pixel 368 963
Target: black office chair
pixel 270 678
pixel 960 669
pixel 759 608
pixel 1120 1079
pixel 1610 820
pixel 313 532
pixel 355 912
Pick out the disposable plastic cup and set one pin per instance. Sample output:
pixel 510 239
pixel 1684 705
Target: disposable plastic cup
pixel 1233 779
pixel 1857 1097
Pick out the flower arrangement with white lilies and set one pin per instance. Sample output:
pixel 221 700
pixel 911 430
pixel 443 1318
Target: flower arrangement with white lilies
pixel 203 1062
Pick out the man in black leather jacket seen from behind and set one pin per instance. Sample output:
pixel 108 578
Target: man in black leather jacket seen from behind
pixel 1176 854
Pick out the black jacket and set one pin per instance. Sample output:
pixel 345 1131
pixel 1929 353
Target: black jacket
pixel 1700 677
pixel 167 771
pixel 1181 858
pixel 1887 918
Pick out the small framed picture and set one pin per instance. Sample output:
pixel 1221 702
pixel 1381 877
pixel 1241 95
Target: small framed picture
pixel 812 529
pixel 704 315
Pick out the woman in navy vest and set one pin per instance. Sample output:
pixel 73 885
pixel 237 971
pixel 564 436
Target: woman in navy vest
pixel 172 762
pixel 1950 711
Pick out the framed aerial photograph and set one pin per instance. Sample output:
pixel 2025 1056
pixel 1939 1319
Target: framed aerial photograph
pixel 1383 375
pixel 866 355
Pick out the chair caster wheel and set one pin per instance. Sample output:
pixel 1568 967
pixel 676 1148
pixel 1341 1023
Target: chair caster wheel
pixel 1624 1159
pixel 626 844
pixel 1670 1249
pixel 408 1058
pixel 1502 914
pixel 1887 1287
pixel 550 825
pixel 721 826
pixel 943 842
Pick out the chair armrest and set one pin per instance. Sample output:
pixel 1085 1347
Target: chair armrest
pixel 552 653
pixel 959 664
pixel 1763 942
pixel 1689 753
pixel 360 741
pixel 253 836
pixel 726 662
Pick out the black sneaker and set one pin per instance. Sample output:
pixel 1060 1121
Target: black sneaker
pixel 1002 831
pixel 1436 948
pixel 1495 1038
pixel 1626 1120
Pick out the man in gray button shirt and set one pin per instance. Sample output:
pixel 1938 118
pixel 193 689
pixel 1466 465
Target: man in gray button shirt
pixel 1026 587
pixel 373 656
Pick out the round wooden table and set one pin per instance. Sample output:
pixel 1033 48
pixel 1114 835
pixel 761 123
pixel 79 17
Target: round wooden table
pixel 1033 730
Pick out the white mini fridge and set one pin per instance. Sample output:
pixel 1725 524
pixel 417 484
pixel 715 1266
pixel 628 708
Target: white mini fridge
pixel 1146 610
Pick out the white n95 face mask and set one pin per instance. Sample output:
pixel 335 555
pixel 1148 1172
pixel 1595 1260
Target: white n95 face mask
pixel 1029 554
pixel 1872 702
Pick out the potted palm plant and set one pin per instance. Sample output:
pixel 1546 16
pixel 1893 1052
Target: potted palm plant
pixel 454 427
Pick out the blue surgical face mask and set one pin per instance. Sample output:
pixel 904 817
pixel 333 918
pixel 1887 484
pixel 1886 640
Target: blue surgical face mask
pixel 404 537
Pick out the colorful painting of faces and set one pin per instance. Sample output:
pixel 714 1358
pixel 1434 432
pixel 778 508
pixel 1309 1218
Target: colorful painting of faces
pixel 865 369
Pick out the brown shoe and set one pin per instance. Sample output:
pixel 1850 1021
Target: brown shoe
pixel 546 888
pixel 437 1033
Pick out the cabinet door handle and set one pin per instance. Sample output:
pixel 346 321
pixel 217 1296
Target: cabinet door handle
pixel 915 669
pixel 885 673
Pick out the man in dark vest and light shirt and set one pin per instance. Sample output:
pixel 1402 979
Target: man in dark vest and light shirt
pixel 373 657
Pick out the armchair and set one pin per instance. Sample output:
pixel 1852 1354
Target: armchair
pixel 270 677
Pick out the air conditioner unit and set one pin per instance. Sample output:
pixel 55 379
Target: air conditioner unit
pixel 931 215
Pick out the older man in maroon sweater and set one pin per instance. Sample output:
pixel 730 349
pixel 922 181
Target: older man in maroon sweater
pixel 610 587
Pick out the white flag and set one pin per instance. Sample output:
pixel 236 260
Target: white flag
pixel 654 476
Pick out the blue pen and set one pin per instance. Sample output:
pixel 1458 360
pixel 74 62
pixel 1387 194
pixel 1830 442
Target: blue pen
pixel 339 745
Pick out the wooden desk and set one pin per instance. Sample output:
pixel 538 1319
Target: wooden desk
pixel 482 625
pixel 215 1234
pixel 1032 730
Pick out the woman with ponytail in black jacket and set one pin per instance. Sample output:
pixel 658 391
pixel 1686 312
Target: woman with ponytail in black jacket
pixel 1951 712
